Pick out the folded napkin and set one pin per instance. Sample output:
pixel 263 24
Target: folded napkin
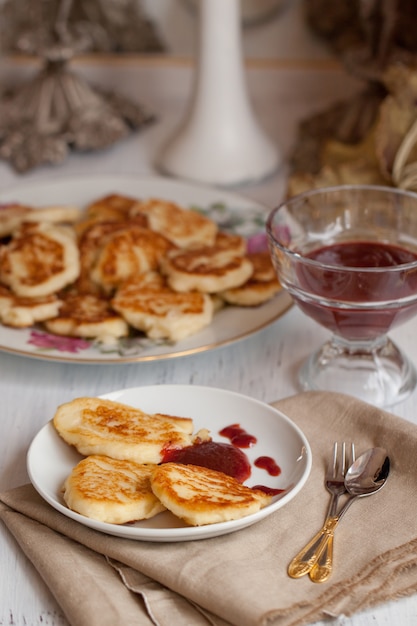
pixel 241 578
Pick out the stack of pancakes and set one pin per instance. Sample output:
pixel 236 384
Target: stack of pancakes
pixel 123 264
pixel 122 477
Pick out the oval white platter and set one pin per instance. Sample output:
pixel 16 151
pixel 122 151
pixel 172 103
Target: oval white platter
pixel 50 459
pixel 232 212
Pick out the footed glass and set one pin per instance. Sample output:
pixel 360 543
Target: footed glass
pixel 348 257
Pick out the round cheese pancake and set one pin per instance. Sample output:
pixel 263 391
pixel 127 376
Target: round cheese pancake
pixel 261 286
pixel 185 229
pixel 150 306
pixel 100 426
pixel 199 495
pixel 111 491
pixel 11 216
pixel 227 242
pixel 111 251
pixel 40 260
pixel 112 208
pixel 127 253
pixel 90 241
pixel 263 269
pixel 208 270
pixel 55 214
pixel 88 316
pixel 252 293
pixel 23 312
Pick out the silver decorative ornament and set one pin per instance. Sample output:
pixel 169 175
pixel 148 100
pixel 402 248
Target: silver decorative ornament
pixel 58 111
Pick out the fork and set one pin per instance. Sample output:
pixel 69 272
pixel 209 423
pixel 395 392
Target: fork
pixel 309 560
pixel 335 484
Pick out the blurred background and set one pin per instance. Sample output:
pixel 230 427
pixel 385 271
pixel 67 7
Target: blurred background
pixel 272 28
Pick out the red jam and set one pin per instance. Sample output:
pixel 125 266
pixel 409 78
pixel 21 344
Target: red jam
pixel 355 320
pixel 238 436
pixel 270 491
pixel 222 457
pixel 227 457
pixel 268 464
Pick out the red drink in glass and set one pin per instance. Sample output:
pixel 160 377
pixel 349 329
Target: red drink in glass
pixel 351 303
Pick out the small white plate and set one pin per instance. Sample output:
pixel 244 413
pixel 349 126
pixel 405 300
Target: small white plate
pixel 232 212
pixel 50 459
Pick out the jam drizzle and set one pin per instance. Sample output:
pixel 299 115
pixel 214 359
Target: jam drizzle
pixel 267 463
pixel 270 491
pixel 238 436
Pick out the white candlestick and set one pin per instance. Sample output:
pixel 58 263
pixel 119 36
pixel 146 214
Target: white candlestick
pixel 220 141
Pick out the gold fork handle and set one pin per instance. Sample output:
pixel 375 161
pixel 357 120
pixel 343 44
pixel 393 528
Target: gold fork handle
pixel 305 560
pixel 323 567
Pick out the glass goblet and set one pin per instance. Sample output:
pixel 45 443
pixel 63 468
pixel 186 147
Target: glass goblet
pixel 348 257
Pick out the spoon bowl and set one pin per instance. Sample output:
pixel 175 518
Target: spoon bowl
pixel 367 474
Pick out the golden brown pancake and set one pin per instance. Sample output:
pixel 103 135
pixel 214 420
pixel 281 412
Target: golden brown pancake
pixel 100 426
pixel 227 242
pixel 111 491
pixel 263 269
pixel 127 253
pixel 55 214
pixel 91 241
pixel 24 312
pixel 40 260
pixel 149 305
pixel 208 270
pixel 261 286
pixel 111 207
pixel 88 316
pixel 184 228
pixel 11 216
pixel 204 496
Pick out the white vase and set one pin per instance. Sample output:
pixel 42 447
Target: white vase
pixel 220 141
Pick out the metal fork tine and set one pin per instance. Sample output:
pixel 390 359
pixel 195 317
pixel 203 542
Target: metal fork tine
pixel 334 460
pixel 337 473
pixel 344 460
pixel 349 459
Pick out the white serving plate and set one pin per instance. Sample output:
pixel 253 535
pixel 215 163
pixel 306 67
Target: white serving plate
pixel 233 213
pixel 50 459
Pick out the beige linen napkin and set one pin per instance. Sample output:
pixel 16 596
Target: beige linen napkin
pixel 241 578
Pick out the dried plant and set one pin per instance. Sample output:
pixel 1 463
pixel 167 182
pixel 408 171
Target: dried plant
pixel 101 25
pixel 57 111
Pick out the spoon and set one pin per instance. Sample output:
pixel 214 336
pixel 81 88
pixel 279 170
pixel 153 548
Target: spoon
pixel 367 475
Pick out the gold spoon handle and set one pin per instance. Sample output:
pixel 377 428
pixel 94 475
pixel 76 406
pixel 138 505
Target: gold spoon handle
pixel 307 557
pixel 323 567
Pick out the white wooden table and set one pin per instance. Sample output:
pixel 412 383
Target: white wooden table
pixel 263 365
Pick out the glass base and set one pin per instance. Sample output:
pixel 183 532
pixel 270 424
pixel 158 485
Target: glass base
pixel 378 373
